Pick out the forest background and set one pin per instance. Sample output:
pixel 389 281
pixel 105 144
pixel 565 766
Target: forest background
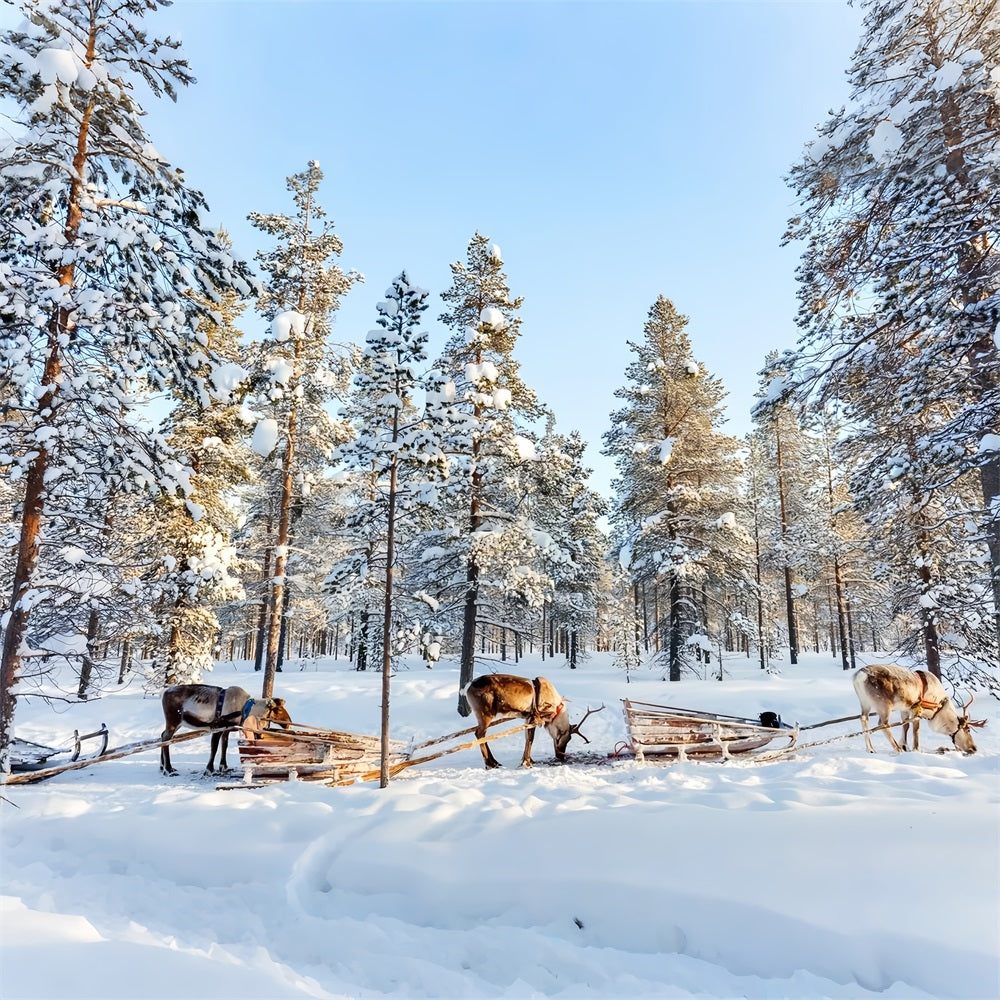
pixel 311 489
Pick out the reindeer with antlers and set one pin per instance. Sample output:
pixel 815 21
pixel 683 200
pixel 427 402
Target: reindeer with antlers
pixel 507 696
pixel 916 694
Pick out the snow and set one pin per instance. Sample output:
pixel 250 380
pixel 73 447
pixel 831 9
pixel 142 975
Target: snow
pixel 948 75
pixel 288 324
pixel 885 140
pixel 56 64
pixel 826 873
pixel 492 316
pixel 989 444
pixel 265 437
pixel 524 448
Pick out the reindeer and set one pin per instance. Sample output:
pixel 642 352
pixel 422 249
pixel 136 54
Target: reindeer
pixel 916 694
pixel 202 706
pixel 506 696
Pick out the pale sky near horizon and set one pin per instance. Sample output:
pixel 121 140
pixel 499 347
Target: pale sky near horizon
pixel 614 151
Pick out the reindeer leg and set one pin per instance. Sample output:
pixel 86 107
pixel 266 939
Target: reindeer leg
pixel 864 726
pixel 171 723
pixel 223 766
pixel 210 767
pixel 529 738
pixel 165 766
pixel 888 733
pixel 916 732
pixel 488 759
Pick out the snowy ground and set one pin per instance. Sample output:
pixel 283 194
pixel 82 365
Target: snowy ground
pixel 830 873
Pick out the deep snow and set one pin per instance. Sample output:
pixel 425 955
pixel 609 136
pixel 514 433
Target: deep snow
pixel 828 873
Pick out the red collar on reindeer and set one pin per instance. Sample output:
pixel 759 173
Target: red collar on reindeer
pixel 923 704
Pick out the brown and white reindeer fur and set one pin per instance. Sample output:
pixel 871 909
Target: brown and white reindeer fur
pixel 203 706
pixel 507 696
pixel 916 694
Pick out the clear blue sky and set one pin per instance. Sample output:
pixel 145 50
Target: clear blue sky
pixel 614 151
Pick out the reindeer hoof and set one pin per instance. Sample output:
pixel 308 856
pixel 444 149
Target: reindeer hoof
pixel 490 764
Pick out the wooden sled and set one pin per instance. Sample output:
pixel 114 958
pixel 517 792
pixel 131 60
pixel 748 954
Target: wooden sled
pixel 308 753
pixel 685 734
pixel 27 756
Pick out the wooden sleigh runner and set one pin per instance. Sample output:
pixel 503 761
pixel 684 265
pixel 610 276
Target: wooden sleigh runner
pixel 661 731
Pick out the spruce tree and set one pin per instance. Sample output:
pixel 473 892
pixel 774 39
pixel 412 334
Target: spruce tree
pixel 102 246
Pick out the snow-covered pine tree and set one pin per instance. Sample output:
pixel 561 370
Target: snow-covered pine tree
pixel 299 370
pixel 783 447
pixel 398 457
pixel 920 541
pixel 677 474
pixel 900 209
pixel 757 480
pixel 565 513
pixel 101 246
pixel 497 406
pixel 193 534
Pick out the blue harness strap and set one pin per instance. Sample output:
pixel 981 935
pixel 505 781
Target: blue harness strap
pixel 246 709
pixel 219 703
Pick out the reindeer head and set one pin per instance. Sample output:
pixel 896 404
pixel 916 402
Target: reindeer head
pixel 962 737
pixel 276 712
pixel 562 730
pixel 264 711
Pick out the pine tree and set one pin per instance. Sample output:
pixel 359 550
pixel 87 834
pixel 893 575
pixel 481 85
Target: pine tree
pixel 398 456
pixel 300 370
pixel 564 512
pixel 900 279
pixel 677 474
pixel 102 245
pixel 490 393
pixel 194 533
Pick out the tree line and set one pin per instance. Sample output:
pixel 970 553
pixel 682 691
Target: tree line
pixel 176 491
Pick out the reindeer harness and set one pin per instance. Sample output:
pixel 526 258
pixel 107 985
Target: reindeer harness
pixel 535 692
pixel 923 704
pixel 220 719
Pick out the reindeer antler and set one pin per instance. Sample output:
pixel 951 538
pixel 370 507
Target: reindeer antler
pixel 978 723
pixel 575 728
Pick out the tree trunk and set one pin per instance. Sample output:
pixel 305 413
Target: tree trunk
pixel 793 640
pixel 675 629
pixel 841 612
pixel 361 646
pixel 390 555
pixel 123 669
pixel 87 667
pixel 469 618
pixel 470 613
pixel 265 604
pixel 32 513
